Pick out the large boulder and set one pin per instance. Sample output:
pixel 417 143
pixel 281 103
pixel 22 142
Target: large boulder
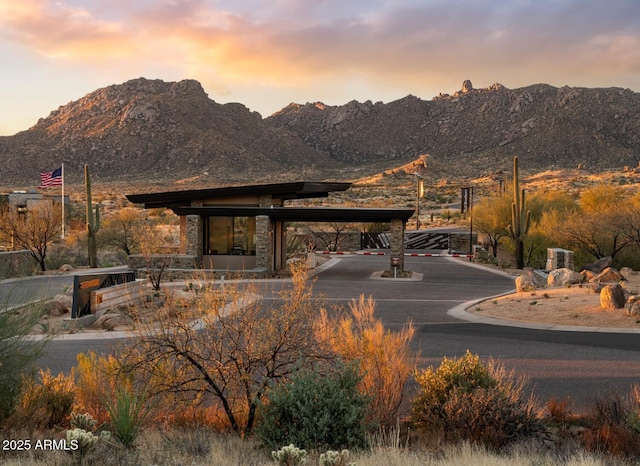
pixel 599 265
pixel 563 277
pixel 627 272
pixel 524 284
pixel 633 306
pixel 608 275
pixel 58 306
pixel 111 319
pixel 53 308
pixel 612 297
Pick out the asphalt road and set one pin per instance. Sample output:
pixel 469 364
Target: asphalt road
pixel 577 366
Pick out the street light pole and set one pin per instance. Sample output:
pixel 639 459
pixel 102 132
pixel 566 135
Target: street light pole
pixel 420 194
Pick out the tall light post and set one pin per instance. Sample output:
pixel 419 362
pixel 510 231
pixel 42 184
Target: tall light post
pixel 420 194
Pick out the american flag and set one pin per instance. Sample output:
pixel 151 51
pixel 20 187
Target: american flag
pixel 53 178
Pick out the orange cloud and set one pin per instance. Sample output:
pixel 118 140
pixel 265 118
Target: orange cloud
pixel 57 30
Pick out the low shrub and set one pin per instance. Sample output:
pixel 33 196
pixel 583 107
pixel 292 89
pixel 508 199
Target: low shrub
pixel 383 355
pixel 612 429
pixel 316 410
pixel 45 402
pixel 129 411
pixel 464 399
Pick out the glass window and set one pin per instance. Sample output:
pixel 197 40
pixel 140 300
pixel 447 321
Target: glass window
pixel 230 235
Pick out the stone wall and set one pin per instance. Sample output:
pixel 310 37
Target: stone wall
pixel 170 261
pixel 16 264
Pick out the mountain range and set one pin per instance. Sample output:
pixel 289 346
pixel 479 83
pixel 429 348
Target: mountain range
pixel 162 133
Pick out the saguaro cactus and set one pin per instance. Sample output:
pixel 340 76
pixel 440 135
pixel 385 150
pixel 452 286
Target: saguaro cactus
pixel 520 217
pixel 93 222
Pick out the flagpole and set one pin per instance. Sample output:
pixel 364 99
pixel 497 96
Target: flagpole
pixel 62 200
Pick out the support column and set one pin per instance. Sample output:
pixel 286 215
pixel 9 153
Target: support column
pixel 191 236
pixel 264 243
pixel 397 242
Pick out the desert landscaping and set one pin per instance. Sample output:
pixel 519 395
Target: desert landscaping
pixel 575 305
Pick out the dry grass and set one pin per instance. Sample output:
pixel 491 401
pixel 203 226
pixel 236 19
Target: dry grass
pixel 199 447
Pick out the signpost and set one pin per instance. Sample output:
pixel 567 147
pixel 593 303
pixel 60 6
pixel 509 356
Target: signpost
pixel 395 263
pixel 83 285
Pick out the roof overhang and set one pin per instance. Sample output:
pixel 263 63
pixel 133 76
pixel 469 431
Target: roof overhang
pixel 292 214
pixel 284 191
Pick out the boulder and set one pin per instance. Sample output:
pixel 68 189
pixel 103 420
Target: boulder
pixel 633 306
pixel 64 299
pixel 66 268
pixel 587 275
pixel 612 297
pixel 524 284
pixel 563 277
pixel 608 275
pixel 627 272
pixel 53 308
pixel 599 265
pixel 109 321
pixel 539 279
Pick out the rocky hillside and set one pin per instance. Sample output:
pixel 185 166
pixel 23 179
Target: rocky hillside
pixel 153 131
pixel 157 132
pixel 476 131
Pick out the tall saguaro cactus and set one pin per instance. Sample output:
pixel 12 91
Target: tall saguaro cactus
pixel 93 222
pixel 520 217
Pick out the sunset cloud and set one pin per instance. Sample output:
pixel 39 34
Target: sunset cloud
pixel 325 49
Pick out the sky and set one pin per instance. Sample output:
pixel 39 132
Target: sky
pixel 266 54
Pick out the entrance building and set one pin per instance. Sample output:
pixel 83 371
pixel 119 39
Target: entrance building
pixel 243 227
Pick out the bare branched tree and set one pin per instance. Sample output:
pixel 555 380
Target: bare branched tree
pixel 232 347
pixel 332 236
pixel 33 230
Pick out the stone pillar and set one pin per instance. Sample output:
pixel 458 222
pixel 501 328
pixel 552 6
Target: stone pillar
pixel 191 236
pixel 397 243
pixel 558 258
pixel 264 243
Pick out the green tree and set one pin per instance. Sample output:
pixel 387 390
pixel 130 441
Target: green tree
pixel 124 229
pixel 549 209
pixel 491 217
pixel 599 227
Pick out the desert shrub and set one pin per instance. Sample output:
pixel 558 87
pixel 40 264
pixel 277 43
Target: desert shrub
pixel 17 353
pixel 316 410
pixel 464 399
pixel 383 356
pixel 289 455
pixel 129 410
pixel 239 346
pixel 45 402
pixel 113 394
pixel 94 377
pixel 611 426
pixel 68 252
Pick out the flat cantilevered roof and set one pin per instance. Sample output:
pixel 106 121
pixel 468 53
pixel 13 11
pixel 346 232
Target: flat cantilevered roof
pixel 298 214
pixel 284 191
